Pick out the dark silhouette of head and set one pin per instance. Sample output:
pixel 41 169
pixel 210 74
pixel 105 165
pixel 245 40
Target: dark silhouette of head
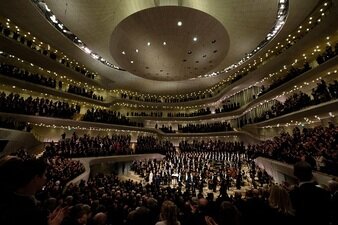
pixel 303 171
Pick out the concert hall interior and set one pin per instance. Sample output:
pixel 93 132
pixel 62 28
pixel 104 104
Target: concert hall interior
pixel 168 112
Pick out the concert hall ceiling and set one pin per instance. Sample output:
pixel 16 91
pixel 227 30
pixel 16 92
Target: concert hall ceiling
pixel 160 46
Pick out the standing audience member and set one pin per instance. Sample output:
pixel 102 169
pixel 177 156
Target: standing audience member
pixel 20 205
pixel 280 211
pixel 168 214
pixel 311 202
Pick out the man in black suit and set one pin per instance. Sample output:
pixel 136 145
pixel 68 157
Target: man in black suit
pixel 311 202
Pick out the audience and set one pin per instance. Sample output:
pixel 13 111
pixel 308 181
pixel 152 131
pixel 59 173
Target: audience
pixel 205 128
pixel 316 145
pixel 311 203
pixel 7 32
pixel 84 92
pixel 87 146
pixel 292 73
pixel 19 205
pixel 11 123
pixel 108 116
pixel 14 103
pixel 18 73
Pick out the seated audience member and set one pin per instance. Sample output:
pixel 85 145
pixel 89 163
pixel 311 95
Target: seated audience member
pixel 311 203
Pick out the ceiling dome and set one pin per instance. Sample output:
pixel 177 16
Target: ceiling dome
pixel 169 43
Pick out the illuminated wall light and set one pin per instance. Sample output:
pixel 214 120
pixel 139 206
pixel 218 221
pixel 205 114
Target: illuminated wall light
pixel 87 50
pixel 148 44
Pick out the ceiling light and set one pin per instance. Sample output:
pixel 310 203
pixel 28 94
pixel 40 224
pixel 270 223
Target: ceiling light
pixel 148 43
pixel 164 43
pixel 123 53
pixel 179 23
pixel 136 50
pixel 131 61
pixel 194 39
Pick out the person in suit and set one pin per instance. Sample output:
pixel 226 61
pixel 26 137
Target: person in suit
pixel 311 202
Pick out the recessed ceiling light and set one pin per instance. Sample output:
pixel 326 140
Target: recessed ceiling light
pixel 179 23
pixel 148 43
pixel 136 50
pixel 194 39
pixel 164 43
pixel 131 61
pixel 123 52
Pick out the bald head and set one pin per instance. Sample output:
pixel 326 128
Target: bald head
pixel 100 218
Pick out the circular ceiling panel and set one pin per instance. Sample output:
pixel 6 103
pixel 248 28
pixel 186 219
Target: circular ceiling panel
pixel 169 43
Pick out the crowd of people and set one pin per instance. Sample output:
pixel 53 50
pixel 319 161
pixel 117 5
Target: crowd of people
pixel 200 112
pixel 150 144
pixel 292 73
pixel 14 103
pixel 11 123
pixel 89 146
pixel 105 199
pixel 316 145
pixel 327 54
pixel 84 92
pixel 205 127
pixel 15 35
pixel 109 116
pixel 228 107
pixel 165 129
pixel 21 74
pixel 298 100
pixel 148 114
pixel 198 170
pixel 170 99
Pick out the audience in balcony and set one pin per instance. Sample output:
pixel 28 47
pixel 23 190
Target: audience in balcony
pixel 292 73
pixel 84 92
pixel 14 103
pixel 228 107
pixel 316 145
pixel 11 123
pixel 164 99
pixel 328 54
pixel 89 146
pixel 149 144
pixel 212 146
pixel 200 112
pixel 18 73
pixel 7 32
pixel 322 93
pixel 143 114
pixel 108 116
pixel 205 128
pixel 165 129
